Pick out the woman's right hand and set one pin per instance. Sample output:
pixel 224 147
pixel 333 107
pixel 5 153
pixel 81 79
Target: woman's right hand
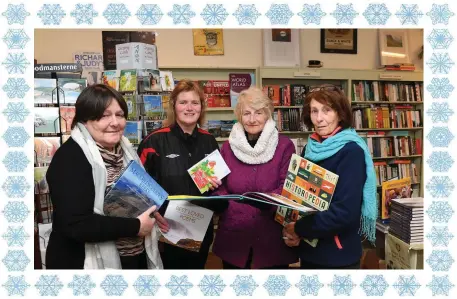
pixel 162 223
pixel 146 222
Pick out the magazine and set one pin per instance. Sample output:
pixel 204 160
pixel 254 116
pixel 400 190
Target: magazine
pixel 133 192
pixel 212 166
pixel 307 184
pixel 393 189
pixel 187 225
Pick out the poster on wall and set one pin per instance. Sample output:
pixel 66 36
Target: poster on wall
pixel 281 47
pixel 208 42
pixel 92 64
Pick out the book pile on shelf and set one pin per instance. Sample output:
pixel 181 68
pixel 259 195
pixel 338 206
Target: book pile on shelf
pixel 286 95
pixel 400 67
pixel 385 117
pixel 397 144
pixel 288 120
pixel 407 219
pixel 219 128
pixel 380 91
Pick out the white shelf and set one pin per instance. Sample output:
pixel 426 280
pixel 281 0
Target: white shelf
pixel 389 129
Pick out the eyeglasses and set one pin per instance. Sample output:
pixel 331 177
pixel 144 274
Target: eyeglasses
pixel 326 88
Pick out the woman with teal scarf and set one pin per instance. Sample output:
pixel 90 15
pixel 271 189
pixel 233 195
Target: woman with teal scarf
pixel 352 213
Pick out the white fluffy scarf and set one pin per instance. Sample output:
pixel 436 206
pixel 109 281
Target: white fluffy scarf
pixel 263 150
pixel 104 255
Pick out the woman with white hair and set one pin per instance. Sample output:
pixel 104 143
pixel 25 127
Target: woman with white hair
pixel 258 157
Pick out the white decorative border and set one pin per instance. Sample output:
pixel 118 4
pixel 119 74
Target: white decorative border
pixel 19 18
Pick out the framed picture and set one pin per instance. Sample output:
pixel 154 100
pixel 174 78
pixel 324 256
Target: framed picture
pixel 393 46
pixel 281 47
pixel 208 42
pixel 340 41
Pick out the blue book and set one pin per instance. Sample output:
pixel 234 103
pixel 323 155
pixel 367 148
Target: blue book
pixel 133 192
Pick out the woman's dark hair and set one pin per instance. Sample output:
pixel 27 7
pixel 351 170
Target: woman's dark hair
pixel 331 96
pixel 93 101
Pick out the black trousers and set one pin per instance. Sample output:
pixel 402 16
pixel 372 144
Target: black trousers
pixel 306 265
pixel 135 262
pixel 174 257
pixel 248 264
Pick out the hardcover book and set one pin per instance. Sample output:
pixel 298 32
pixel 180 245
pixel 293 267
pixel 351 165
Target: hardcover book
pixel 133 192
pixel 239 82
pixel 392 190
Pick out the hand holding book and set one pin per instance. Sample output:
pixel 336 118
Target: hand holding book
pixel 146 222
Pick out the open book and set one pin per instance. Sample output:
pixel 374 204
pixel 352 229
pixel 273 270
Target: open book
pixel 133 192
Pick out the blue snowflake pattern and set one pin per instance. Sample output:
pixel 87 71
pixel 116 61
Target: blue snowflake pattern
pixel 84 14
pixel 374 285
pixel 179 285
pixel 149 14
pixel 16 39
pixel 16 285
pixel 440 112
pixel 277 285
pixel 246 14
pixel 15 236
pixel 440 88
pixel 16 14
pixel 409 14
pixel 377 14
pixel 344 14
pixel 244 285
pixel 440 212
pixel 114 285
pixel 309 285
pixel 212 285
pixel 342 285
pixel 16 63
pixel 440 260
pixel 440 63
pixel 16 260
pixel 214 14
pixel 51 14
pixel 440 136
pixel 181 14
pixel 15 161
pixel 15 186
pixel 116 14
pixel 440 14
pixel 440 236
pixel 16 88
pixel 146 285
pixel 16 212
pixel 15 136
pixel 440 186
pixel 82 285
pixel 49 285
pixel 440 39
pixel 406 285
pixel 279 14
pixel 312 14
pixel 440 161
pixel 16 112
pixel 440 285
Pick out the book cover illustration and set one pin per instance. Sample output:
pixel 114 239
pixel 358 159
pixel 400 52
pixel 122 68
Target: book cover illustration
pixel 133 193
pixel 153 107
pixel 45 148
pixel 166 80
pixel 308 184
pixel 128 80
pixel 133 131
pixel 70 89
pixel 212 166
pixel 239 82
pixel 111 78
pixel 45 91
pixel 132 106
pixel 215 128
pixel 188 224
pixel 67 113
pixel 47 120
pixel 151 80
pixel 226 127
pixel 41 185
pixel 152 125
pixel 393 189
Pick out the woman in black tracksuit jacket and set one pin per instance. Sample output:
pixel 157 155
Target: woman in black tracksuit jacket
pixel 167 153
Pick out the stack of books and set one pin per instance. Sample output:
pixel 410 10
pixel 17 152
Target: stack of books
pixel 407 219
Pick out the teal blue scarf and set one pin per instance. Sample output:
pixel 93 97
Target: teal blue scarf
pixel 316 151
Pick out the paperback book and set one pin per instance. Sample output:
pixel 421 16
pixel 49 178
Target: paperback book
pixel 45 91
pixel 166 81
pixel 392 190
pixel 47 120
pixel 128 80
pixel 133 192
pixel 70 89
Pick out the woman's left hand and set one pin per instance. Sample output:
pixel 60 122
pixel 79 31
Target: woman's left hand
pixel 215 183
pixel 290 237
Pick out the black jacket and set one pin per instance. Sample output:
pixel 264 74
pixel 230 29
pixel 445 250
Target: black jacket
pixel 167 153
pixel 72 191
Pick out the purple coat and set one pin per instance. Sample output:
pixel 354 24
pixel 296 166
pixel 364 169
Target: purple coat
pixel 242 226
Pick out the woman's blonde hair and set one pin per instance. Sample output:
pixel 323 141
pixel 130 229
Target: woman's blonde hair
pixel 255 98
pixel 184 86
